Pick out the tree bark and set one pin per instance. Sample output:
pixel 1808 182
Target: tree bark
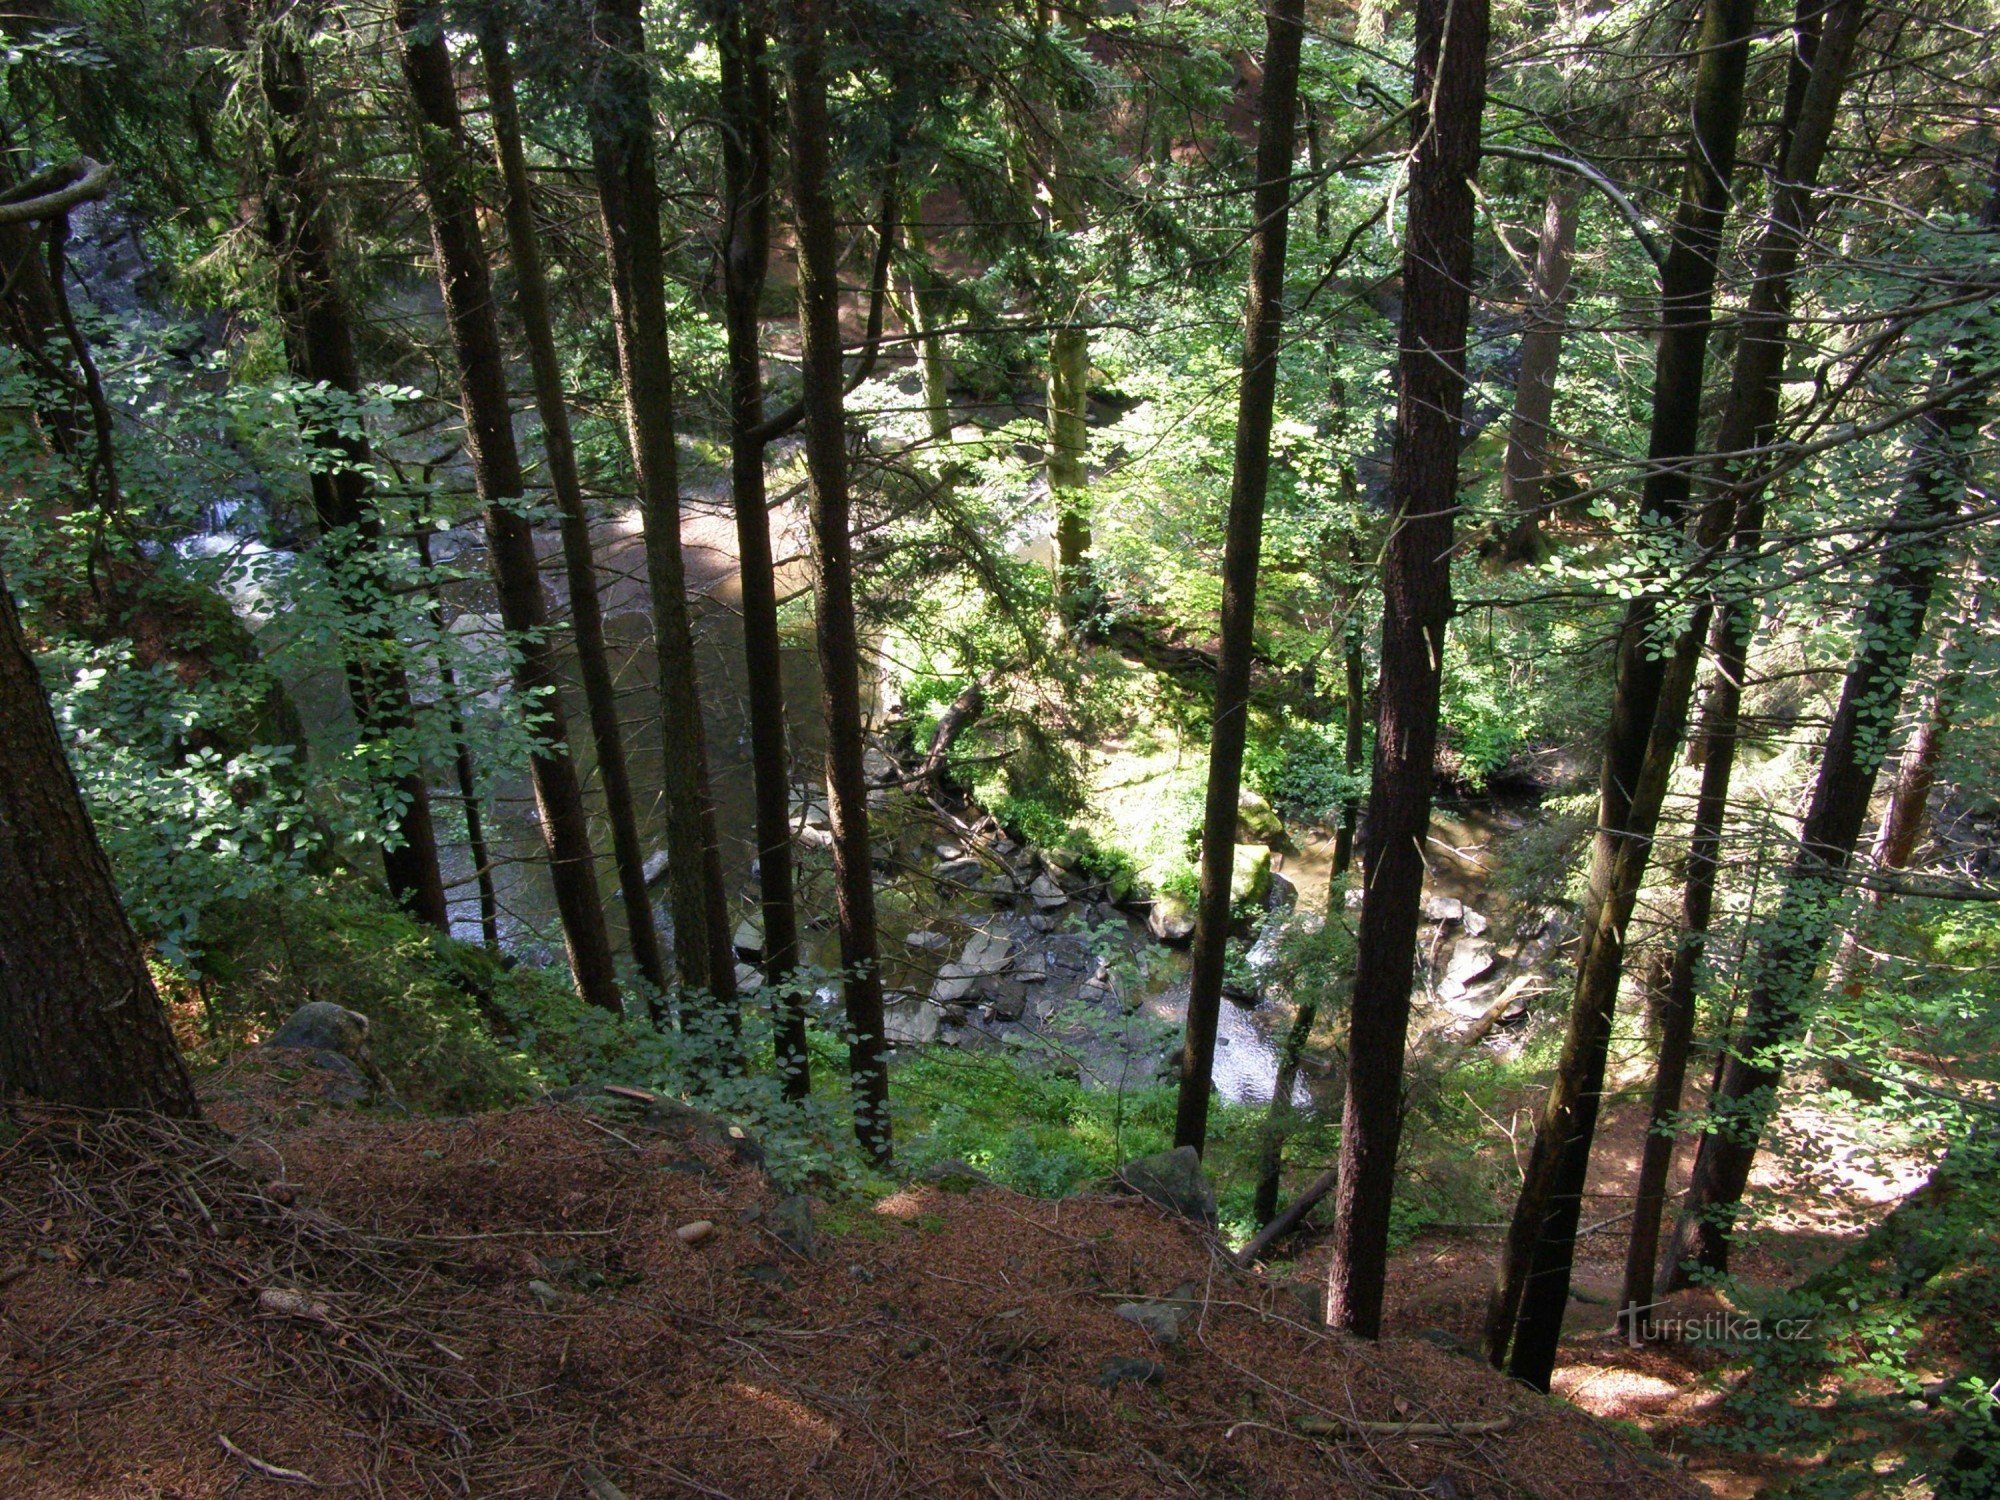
pixel 465 770
pixel 80 1021
pixel 600 694
pixel 628 190
pixel 746 165
pixel 1687 285
pixel 1263 337
pixel 921 312
pixel 319 341
pixel 839 645
pixel 1278 1118
pixel 1785 953
pixel 1449 91
pixel 443 157
pixel 1526 466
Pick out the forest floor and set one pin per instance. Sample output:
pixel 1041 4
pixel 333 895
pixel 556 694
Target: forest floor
pixel 501 1305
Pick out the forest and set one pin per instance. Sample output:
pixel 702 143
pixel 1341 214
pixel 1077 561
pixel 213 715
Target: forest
pixel 999 747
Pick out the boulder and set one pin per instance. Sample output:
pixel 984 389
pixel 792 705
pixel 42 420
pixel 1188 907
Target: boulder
pixel 928 942
pixel 958 871
pixel 953 1175
pixel 1256 821
pixel 1170 919
pixel 1048 896
pixel 1475 925
pixel 985 955
pixel 337 1039
pixel 1282 895
pixel 748 939
pixel 1174 1180
pixel 1031 969
pixel 1161 1320
pixel 1443 909
pixel 1005 1000
pixel 1120 1370
pixel 1472 959
pixel 1249 873
pixel 749 979
pixel 909 1020
pixel 655 867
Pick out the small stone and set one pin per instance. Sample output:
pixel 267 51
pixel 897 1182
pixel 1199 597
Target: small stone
pixel 1472 959
pixel 695 1233
pixel 545 1294
pixel 655 868
pixel 1121 1370
pixel 928 942
pixel 1031 970
pixel 1170 920
pixel 288 1302
pixel 950 852
pixel 1006 1001
pixel 1443 909
pixel 1161 1320
pixel 1475 924
pixel 1043 922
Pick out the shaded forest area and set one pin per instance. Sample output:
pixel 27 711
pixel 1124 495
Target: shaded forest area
pixel 1300 693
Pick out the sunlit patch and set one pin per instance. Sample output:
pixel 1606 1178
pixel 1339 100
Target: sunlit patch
pixel 784 1407
pixel 1614 1393
pixel 906 1203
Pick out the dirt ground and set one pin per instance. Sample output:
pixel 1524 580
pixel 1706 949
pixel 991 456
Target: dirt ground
pixel 502 1305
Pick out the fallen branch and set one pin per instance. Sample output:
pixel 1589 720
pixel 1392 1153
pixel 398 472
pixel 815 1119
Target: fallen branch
pixel 1285 1222
pixel 268 1470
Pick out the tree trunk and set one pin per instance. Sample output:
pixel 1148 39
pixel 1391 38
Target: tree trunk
pixel 319 340
pixel 628 190
pixel 464 770
pixel 1526 466
pixel 1354 728
pixel 1449 91
pixel 1553 1191
pixel 1785 953
pixel 443 158
pixel 746 163
pixel 1278 1119
pixel 1263 336
pixel 531 305
pixel 1687 285
pixel 839 646
pixel 80 1021
pixel 921 312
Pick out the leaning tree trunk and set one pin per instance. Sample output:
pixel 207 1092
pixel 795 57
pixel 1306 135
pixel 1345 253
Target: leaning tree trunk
pixel 593 659
pixel 1449 91
pixel 443 158
pixel 319 340
pixel 1525 470
pixel 839 645
pixel 1786 951
pixel 80 1021
pixel 628 190
pixel 746 165
pixel 1263 336
pixel 921 312
pixel 1687 285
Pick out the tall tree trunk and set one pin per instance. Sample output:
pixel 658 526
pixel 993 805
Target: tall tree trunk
pixel 1263 335
pixel 746 163
pixel 1278 1117
pixel 1525 469
pixel 465 770
pixel 1553 1191
pixel 1786 950
pixel 531 305
pixel 1449 91
pixel 922 313
pixel 1687 285
pixel 839 645
pixel 80 1021
pixel 443 158
pixel 1354 727
pixel 628 190
pixel 319 339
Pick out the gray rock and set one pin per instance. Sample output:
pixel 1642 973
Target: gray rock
pixel 749 979
pixel 1282 894
pixel 322 1026
pixel 789 1221
pixel 748 939
pixel 1249 873
pixel 959 871
pixel 1043 922
pixel 1174 1180
pixel 1161 1320
pixel 1121 1370
pixel 928 942
pixel 1472 959
pixel 1257 822
pixel 955 1176
pixel 1443 909
pixel 1032 969
pixel 1170 920
pixel 1005 1000
pixel 1475 924
pixel 1048 896
pixel 950 852
pixel 910 1020
pixel 656 867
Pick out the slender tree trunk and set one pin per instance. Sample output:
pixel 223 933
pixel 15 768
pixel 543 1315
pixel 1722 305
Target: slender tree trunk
pixel 1526 466
pixel 1354 728
pixel 1263 336
pixel 1449 90
pixel 628 190
pixel 80 1021
pixel 839 645
pixel 921 312
pixel 1687 286
pixel 1750 420
pixel 1069 441
pixel 443 157
pixel 319 338
pixel 1786 951
pixel 746 162
pixel 464 770
pixel 531 306
pixel 1278 1119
